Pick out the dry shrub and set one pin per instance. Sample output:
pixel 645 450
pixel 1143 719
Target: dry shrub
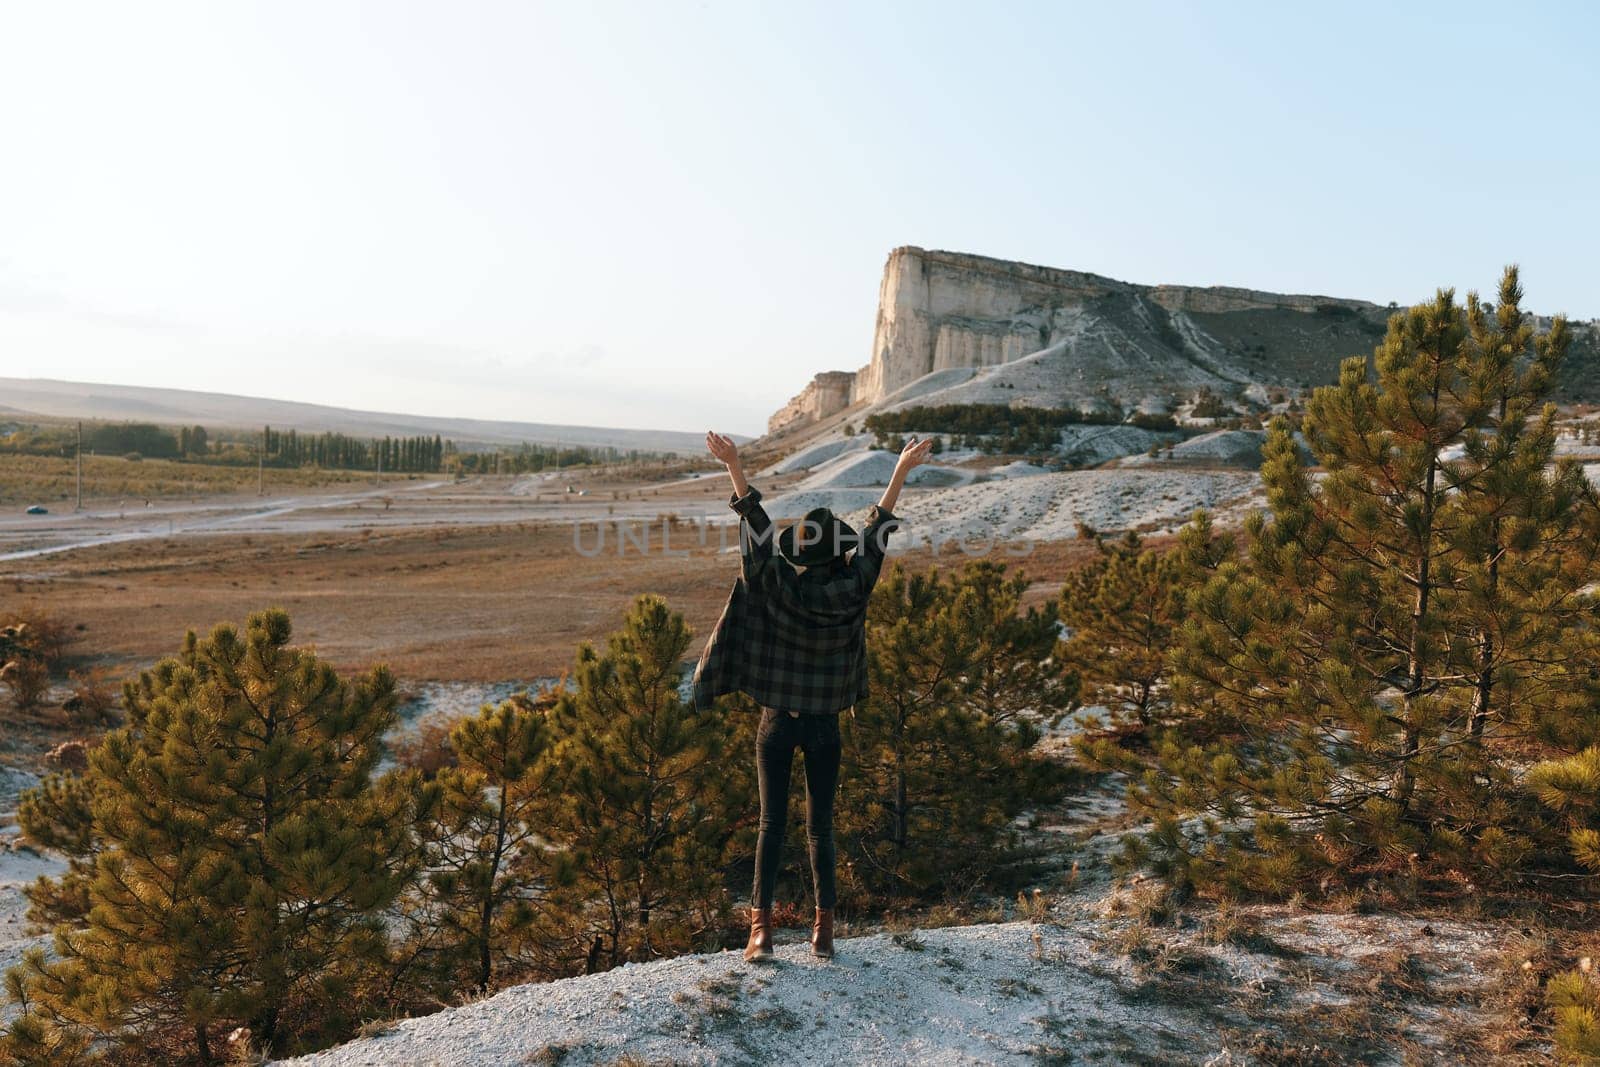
pixel 71 756
pixel 31 644
pixel 42 636
pixel 28 679
pixel 1034 907
pixel 94 699
pixel 427 748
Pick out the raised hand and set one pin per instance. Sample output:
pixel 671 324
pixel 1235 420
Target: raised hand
pixel 727 453
pixel 914 453
pixel 722 447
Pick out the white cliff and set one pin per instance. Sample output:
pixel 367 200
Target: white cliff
pixel 949 311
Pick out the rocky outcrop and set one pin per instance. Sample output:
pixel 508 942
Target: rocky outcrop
pixel 949 309
pixel 942 309
pixel 827 393
pixel 1220 299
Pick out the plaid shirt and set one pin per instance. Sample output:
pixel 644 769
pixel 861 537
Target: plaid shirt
pixel 795 640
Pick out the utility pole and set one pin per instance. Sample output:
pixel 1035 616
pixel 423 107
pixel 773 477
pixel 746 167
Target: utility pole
pixel 261 465
pixel 80 468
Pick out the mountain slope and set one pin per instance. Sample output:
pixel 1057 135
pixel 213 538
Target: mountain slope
pixel 87 400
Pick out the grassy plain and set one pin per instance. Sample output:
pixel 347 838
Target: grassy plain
pixel 51 480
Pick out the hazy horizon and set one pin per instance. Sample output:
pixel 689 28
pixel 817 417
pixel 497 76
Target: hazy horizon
pixel 671 217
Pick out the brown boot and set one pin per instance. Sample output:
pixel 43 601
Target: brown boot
pixel 760 945
pixel 822 934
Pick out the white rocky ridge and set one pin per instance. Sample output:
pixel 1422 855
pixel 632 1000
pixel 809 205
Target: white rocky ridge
pixel 1018 468
pixel 1224 448
pixel 876 467
pixel 955 499
pixel 959 328
pixel 1091 445
pixel 1050 507
pixel 1042 507
pixel 819 453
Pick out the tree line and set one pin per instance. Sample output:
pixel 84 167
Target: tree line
pixel 1001 427
pixel 529 458
pixel 416 454
pixel 279 448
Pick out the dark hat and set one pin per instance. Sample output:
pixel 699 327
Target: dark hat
pixel 837 537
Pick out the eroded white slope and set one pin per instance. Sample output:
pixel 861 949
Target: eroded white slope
pixel 1044 507
pixel 962 995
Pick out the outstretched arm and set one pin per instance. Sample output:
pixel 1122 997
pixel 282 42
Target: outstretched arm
pixel 881 520
pixel 723 448
pixel 755 527
pixel 913 454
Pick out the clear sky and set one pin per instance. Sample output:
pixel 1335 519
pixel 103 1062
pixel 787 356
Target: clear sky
pixel 672 214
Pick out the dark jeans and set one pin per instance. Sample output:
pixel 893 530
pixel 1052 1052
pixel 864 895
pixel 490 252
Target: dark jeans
pixel 817 737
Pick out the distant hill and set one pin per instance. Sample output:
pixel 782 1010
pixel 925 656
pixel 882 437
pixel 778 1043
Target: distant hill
pixel 87 400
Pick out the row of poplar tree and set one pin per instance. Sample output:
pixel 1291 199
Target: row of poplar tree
pixel 290 448
pixel 238 860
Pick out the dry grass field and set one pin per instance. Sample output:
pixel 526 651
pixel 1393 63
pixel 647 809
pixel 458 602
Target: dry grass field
pixel 465 603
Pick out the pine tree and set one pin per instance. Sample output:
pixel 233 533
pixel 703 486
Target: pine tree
pixel 242 857
pixel 1380 507
pixel 939 757
pixel 1339 658
pixel 58 815
pixel 1570 787
pixel 481 820
pixel 1122 612
pixel 1519 527
pixel 1014 679
pixel 1574 999
pixel 28 650
pixel 648 796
